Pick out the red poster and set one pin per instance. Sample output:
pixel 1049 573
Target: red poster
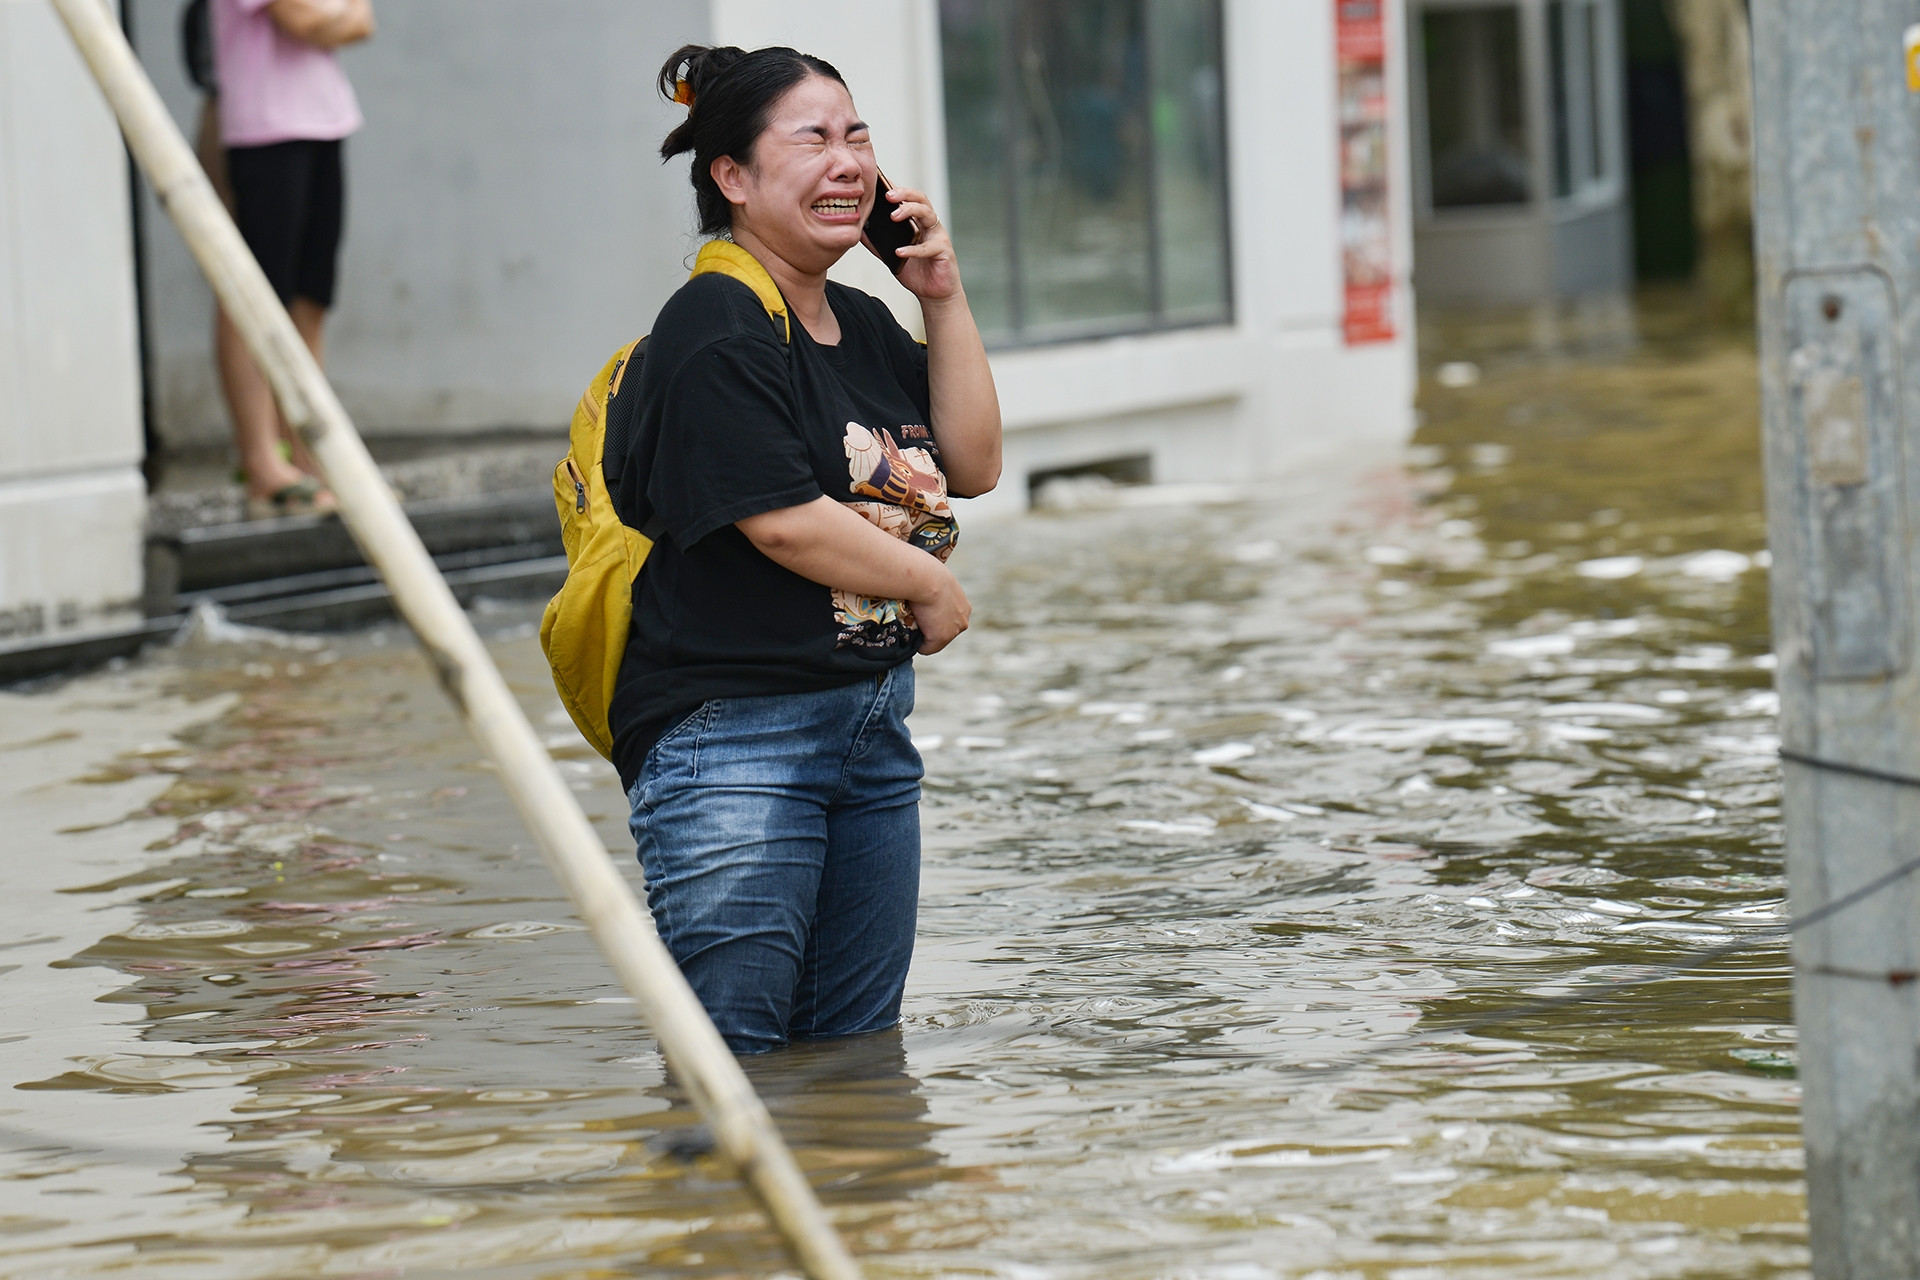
pixel 1366 233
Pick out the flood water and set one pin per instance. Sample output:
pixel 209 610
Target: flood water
pixel 1237 801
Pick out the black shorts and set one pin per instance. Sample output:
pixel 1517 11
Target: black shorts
pixel 290 201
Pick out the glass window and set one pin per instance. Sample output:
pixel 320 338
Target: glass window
pixel 1086 152
pixel 1596 115
pixel 1476 113
pixel 1575 58
pixel 1190 159
pixel 1561 91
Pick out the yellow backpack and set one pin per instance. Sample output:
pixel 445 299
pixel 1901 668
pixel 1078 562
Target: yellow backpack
pixel 584 630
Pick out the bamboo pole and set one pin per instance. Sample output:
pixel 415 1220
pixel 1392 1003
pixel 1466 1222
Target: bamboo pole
pixel 742 1128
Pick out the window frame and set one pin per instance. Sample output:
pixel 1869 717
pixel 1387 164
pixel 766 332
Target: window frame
pixel 1593 111
pixel 1538 75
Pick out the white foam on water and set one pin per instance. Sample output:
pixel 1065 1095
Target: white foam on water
pixel 516 929
pixel 1610 568
pixel 1547 646
pixel 1198 825
pixel 1401 734
pixel 1607 711
pixel 1225 753
pixel 208 624
pixel 1716 566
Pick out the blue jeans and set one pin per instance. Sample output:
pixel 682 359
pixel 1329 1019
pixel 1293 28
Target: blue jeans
pixel 780 837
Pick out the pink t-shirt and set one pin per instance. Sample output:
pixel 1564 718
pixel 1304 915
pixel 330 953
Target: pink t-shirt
pixel 274 88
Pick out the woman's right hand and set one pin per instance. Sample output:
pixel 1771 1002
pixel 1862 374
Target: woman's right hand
pixel 943 613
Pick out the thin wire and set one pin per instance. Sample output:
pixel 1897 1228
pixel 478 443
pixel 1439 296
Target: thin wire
pixel 1856 770
pixel 1846 900
pixel 1707 955
pixel 1659 973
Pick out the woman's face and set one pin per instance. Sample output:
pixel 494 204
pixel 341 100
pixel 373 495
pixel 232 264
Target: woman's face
pixel 811 181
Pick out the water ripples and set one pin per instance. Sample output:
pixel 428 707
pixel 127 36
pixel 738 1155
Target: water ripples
pixel 1238 813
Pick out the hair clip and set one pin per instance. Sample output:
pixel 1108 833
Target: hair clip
pixel 683 94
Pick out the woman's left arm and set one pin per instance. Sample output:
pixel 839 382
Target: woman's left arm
pixel 965 406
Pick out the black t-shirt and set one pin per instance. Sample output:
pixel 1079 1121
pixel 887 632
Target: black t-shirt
pixel 733 422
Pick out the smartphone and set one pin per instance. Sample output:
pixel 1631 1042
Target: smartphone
pixel 883 232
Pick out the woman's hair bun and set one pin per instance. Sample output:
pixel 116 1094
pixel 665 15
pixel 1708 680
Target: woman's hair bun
pixel 729 96
pixel 695 66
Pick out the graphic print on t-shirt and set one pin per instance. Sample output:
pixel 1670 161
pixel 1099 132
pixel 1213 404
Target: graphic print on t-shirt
pixel 911 505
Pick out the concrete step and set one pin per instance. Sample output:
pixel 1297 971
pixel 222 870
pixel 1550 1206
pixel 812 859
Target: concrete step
pixel 305 573
pixel 206 557
pixel 357 604
pixel 329 601
pixel 35 659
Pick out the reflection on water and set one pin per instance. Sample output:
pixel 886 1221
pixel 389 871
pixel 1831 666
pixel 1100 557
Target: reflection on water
pixel 1227 794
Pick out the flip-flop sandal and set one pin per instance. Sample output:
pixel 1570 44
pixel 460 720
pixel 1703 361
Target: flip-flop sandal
pixel 281 447
pixel 304 497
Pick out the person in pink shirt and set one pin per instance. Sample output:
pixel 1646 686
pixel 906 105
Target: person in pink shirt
pixel 285 110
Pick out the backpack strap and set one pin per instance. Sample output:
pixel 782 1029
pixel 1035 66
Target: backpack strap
pixel 724 257
pixel 717 257
pixel 617 419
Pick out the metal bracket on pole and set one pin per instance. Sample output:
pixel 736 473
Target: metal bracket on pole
pixel 742 1128
pixel 1837 258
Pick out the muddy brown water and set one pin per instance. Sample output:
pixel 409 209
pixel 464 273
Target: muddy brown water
pixel 1236 801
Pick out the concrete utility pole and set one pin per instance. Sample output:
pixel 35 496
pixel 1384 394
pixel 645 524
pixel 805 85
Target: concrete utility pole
pixel 1837 222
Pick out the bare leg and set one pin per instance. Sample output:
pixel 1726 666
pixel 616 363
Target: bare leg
pixel 257 427
pixel 256 419
pixel 309 317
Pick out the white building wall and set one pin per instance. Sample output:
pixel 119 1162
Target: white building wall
pixel 497 243
pixel 72 500
pixel 1276 387
pixel 1314 395
pixel 509 221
